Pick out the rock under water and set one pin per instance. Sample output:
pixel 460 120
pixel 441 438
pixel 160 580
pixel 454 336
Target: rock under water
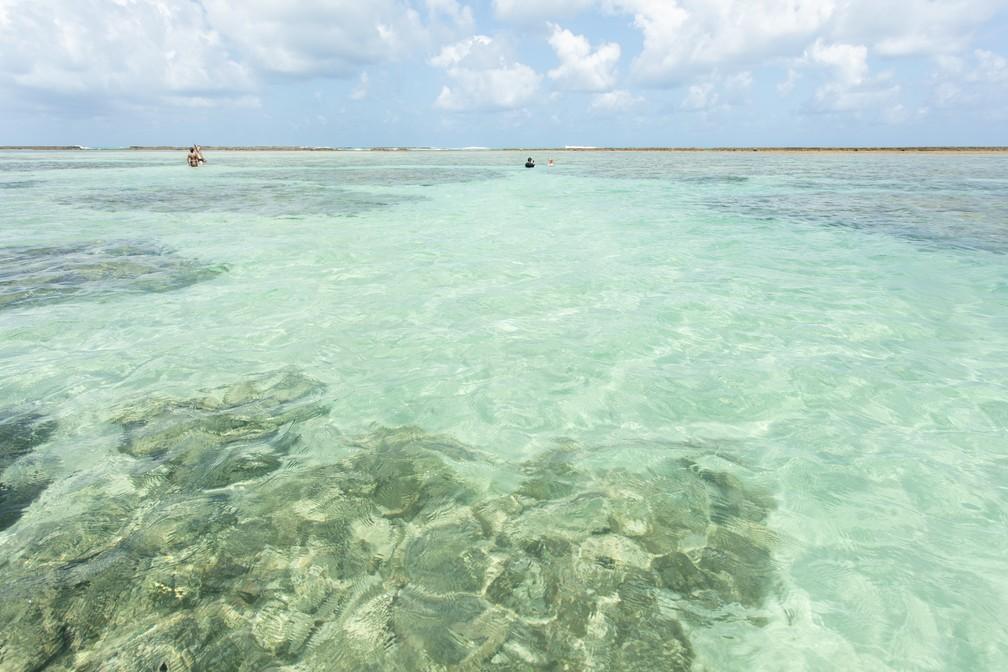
pixel 32 276
pixel 20 433
pixel 393 558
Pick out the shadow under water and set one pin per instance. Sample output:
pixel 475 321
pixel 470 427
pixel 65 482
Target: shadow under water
pixel 19 184
pixel 227 556
pixel 45 275
pixel 20 434
pixel 273 198
pixel 385 176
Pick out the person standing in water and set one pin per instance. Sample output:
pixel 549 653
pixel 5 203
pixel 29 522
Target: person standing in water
pixel 192 158
pixel 199 155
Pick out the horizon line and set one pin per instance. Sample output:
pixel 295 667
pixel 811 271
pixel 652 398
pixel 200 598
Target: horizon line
pixel 566 148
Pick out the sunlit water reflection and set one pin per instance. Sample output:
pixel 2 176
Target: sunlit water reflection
pixel 432 410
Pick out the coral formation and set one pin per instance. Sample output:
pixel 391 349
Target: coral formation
pixel 391 558
pixel 20 433
pixel 32 276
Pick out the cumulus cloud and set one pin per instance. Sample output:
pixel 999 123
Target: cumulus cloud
pixel 912 27
pixel 717 92
pixel 976 80
pixel 580 68
pixel 699 97
pixel 850 61
pixel 850 88
pixel 360 92
pixel 787 86
pixel 990 67
pixel 118 53
pixel 317 37
pixel 527 11
pixel 484 76
pixel 126 52
pixel 615 101
pixel 459 16
pixel 683 37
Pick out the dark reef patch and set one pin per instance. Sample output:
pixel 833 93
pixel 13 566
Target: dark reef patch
pixel 392 558
pixel 277 197
pixel 20 433
pixel 391 176
pixel 19 184
pixel 968 217
pixel 45 275
pixel 231 434
pixel 41 165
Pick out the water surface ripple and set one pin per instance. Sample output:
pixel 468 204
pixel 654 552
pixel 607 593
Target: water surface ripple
pixel 433 411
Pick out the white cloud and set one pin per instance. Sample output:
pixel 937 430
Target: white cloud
pixel 878 100
pixel 459 15
pixel 527 11
pixel 686 36
pixel 118 54
pixel 615 101
pixel 581 69
pixel 699 97
pixel 912 27
pixel 717 92
pixel 473 50
pixel 739 82
pixel 850 88
pixel 787 86
pixel 850 61
pixel 127 52
pixel 318 37
pixel 990 68
pixel 975 81
pixel 360 92
pixel 483 76
pixel 448 20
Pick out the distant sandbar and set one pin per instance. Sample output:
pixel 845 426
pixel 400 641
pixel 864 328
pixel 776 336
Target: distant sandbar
pixel 270 148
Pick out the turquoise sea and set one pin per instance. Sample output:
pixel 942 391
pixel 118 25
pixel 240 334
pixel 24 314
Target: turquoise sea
pixel 430 410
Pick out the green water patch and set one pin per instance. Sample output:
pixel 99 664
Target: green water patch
pixel 20 433
pixel 19 184
pixel 656 168
pixel 38 165
pixel 388 176
pixel 969 220
pixel 44 275
pixel 278 197
pixel 231 434
pixel 226 554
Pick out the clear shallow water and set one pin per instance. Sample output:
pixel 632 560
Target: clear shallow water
pixel 433 410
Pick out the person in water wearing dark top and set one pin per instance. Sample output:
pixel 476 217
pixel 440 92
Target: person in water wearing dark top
pixel 529 163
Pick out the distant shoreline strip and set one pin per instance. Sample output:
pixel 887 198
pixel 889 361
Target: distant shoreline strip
pixel 268 148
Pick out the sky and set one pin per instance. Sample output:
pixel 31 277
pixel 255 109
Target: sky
pixel 504 73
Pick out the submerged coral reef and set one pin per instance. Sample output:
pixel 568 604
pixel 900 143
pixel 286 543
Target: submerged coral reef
pixel 20 433
pixel 278 196
pixel 43 275
pixel 228 555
